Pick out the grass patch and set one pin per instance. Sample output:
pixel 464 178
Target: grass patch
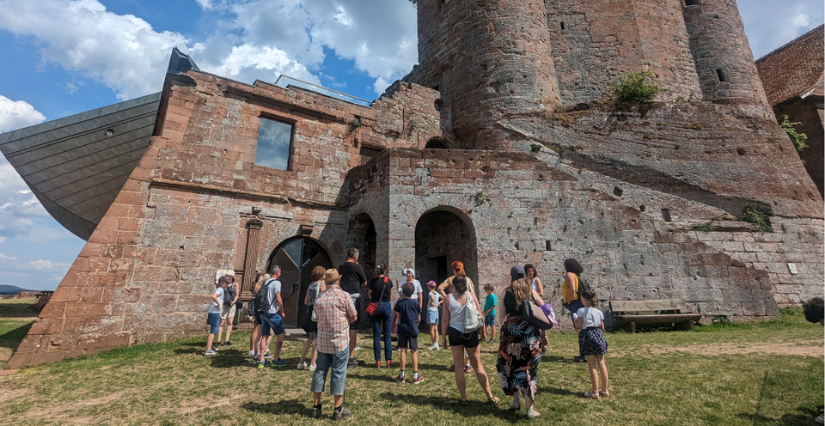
pixel 173 383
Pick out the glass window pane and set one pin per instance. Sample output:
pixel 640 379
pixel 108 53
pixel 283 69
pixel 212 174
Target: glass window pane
pixel 274 143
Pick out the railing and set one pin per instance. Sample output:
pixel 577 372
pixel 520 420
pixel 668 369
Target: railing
pixel 286 81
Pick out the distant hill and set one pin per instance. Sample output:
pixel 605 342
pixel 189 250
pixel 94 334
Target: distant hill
pixel 11 289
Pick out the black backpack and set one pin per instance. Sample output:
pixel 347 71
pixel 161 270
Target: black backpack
pixel 228 294
pixel 262 302
pixel 583 285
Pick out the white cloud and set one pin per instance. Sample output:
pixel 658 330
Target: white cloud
pixel 49 265
pixel 17 114
pixel 122 51
pixel 18 206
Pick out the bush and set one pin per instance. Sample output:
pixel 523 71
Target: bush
pixel 634 87
pixel 798 139
pixel 758 215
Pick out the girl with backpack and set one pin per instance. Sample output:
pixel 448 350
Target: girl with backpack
pixel 589 323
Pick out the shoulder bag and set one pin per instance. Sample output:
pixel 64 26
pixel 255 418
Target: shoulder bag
pixel 533 314
pixel 372 308
pixel 472 319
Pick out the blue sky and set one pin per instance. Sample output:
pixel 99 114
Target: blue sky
pixel 63 57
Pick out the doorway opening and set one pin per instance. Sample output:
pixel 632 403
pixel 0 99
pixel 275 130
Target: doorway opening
pixel 297 257
pixel 442 236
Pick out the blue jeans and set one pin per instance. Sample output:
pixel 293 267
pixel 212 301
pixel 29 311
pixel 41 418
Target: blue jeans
pixel 338 379
pixel 381 318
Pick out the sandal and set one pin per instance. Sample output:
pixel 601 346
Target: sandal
pixel 605 394
pixel 463 403
pixel 591 395
pixel 494 400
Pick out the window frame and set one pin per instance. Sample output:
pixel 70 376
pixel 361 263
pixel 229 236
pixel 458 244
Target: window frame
pixel 281 119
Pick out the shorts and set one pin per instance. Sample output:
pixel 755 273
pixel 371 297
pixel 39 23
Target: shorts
pixel 228 312
pixel 273 322
pixel 490 320
pixel 214 320
pixel 355 325
pixel 457 338
pixel 432 317
pixel 405 342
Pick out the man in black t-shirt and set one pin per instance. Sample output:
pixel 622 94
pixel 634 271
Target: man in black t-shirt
pixel 352 279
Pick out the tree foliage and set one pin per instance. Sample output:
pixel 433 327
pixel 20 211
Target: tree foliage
pixel 798 139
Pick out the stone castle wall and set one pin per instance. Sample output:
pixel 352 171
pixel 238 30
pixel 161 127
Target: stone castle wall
pixel 521 210
pixel 595 41
pixel 724 61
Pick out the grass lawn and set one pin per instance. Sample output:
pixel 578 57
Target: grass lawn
pixel 724 374
pixel 15 322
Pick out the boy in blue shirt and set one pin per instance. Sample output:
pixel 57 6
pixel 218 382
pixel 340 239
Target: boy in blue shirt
pixel 490 314
pixel 409 315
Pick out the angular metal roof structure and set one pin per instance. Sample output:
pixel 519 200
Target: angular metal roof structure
pixel 77 165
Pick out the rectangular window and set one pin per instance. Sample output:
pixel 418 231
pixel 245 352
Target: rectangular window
pixel 691 2
pixel 721 74
pixel 367 154
pixel 274 144
pixel 666 215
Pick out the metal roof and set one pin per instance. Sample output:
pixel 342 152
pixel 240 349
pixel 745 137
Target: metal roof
pixel 77 165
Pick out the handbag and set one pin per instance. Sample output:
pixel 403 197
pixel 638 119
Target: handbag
pixel 474 321
pixel 533 314
pixel 372 308
pixel 314 316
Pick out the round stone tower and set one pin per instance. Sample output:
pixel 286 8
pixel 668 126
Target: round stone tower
pixel 489 59
pixel 724 61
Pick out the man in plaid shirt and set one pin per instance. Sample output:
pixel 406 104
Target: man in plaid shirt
pixel 335 310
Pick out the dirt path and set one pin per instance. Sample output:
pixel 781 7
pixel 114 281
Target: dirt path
pixel 803 348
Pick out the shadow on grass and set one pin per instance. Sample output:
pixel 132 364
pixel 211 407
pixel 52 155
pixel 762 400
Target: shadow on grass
pixel 475 408
pixel 14 337
pixel 787 419
pixel 292 406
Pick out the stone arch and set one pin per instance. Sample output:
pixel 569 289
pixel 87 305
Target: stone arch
pixel 442 235
pixel 297 256
pixel 437 143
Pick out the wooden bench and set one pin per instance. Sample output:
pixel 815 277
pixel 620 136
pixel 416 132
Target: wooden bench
pixel 628 313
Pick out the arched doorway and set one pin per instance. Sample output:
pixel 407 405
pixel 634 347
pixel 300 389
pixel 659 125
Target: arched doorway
pixel 436 143
pixel 297 257
pixel 442 237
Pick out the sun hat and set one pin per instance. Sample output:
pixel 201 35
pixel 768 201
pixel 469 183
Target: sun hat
pixel 331 276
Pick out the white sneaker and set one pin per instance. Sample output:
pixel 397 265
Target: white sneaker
pixel 358 348
pixel 210 352
pixel 434 347
pixel 300 366
pixel 251 353
pixel 311 368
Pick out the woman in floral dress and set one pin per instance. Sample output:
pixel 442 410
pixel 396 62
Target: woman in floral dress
pixel 519 352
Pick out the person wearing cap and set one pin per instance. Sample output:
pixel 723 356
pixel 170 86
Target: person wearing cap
pixel 519 353
pixel 448 287
pixel 335 312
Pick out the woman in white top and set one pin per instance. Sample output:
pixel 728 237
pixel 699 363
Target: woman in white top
pixel 460 304
pixel 538 287
pixel 417 296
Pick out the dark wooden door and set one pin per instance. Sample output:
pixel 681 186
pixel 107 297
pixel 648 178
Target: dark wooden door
pixel 297 257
